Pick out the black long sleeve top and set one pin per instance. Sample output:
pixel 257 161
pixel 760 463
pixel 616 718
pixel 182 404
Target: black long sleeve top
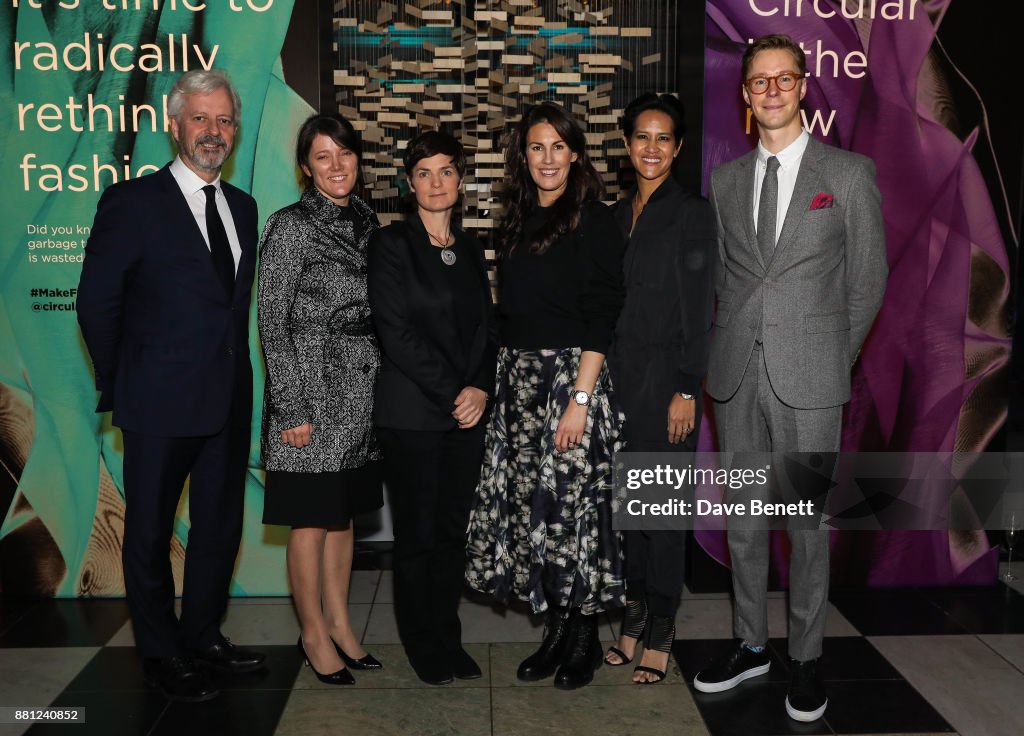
pixel 568 296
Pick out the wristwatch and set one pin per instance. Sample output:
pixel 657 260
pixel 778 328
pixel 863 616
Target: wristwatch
pixel 687 397
pixel 581 397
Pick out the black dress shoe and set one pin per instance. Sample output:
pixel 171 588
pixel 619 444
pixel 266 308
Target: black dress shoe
pixel 179 679
pixel 226 657
pixel 462 666
pixel 366 662
pixel 341 677
pixel 549 656
pixel 584 655
pixel 432 671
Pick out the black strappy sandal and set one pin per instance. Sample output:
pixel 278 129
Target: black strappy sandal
pixel 633 626
pixel 660 636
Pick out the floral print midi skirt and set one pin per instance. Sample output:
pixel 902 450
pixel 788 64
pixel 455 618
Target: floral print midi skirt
pixel 540 529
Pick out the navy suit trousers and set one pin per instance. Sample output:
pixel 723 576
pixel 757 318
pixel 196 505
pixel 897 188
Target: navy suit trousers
pixel 155 470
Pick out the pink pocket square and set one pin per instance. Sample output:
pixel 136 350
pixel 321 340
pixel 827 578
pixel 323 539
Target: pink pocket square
pixel 822 201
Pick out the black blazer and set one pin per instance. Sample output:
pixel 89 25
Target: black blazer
pixel 663 333
pixel 167 342
pixel 414 316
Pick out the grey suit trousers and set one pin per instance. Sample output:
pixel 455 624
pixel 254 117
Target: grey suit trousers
pixel 755 420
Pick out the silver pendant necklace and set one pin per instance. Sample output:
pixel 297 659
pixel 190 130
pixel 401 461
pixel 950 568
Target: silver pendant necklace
pixel 447 254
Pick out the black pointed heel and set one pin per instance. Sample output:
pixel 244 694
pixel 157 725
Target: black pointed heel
pixel 367 662
pixel 341 677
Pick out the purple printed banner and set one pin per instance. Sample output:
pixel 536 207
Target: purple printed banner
pixel 932 373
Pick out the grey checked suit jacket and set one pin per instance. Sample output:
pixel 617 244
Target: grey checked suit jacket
pixel 814 303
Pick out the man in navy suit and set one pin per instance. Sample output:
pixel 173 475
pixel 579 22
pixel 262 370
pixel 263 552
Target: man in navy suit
pixel 163 304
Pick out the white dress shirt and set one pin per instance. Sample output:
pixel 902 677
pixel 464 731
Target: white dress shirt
pixel 191 185
pixel 789 166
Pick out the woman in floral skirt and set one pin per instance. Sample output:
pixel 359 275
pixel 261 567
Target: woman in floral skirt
pixel 541 525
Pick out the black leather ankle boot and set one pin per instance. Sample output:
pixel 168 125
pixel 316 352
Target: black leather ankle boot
pixel 547 659
pixel 584 655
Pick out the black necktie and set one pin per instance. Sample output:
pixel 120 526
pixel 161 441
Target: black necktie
pixel 767 206
pixel 220 249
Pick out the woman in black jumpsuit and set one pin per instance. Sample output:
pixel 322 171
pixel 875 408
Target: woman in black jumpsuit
pixel 659 356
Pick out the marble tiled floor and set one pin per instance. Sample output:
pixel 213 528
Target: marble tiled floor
pixel 947 660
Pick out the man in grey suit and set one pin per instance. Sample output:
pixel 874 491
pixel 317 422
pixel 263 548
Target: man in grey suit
pixel 802 272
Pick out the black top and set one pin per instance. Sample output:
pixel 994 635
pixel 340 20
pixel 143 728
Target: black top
pixel 437 334
pixel 570 295
pixel 663 334
pixel 463 280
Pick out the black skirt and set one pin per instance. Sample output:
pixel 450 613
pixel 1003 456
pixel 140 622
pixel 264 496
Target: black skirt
pixel 321 499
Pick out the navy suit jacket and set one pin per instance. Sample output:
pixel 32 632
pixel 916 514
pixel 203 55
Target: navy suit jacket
pixel 168 343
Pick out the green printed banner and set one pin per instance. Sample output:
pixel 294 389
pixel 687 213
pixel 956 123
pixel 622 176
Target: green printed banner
pixel 84 92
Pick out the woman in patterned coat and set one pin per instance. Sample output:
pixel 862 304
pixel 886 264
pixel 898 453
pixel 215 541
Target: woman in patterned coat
pixel 322 361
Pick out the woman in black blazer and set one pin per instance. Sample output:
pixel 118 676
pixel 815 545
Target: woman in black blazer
pixel 431 305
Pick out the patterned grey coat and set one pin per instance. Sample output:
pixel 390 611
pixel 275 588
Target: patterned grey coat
pixel 318 342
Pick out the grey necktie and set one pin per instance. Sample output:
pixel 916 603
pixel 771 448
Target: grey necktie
pixel 767 206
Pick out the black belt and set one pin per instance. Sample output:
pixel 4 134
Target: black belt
pixel 356 329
